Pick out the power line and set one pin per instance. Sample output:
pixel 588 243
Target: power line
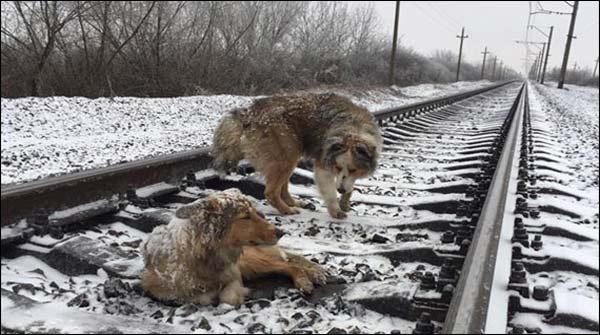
pixel 539 9
pixel 542 10
pixel 444 17
pixel 430 17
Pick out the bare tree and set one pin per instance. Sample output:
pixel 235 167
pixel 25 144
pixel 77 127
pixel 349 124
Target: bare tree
pixel 169 48
pixel 42 21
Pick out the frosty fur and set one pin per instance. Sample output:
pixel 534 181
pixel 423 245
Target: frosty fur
pixel 341 138
pixel 204 253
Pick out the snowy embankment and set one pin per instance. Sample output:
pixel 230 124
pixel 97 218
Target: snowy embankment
pixel 51 136
pixel 573 116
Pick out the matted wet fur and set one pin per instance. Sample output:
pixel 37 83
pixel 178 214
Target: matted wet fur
pixel 341 138
pixel 202 255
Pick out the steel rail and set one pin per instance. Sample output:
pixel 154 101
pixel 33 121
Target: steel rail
pixel 414 108
pixel 55 193
pixel 49 194
pixel 469 307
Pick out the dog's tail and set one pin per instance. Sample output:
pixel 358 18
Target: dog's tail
pixel 226 148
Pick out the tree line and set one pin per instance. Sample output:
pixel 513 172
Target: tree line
pixel 174 48
pixel 574 76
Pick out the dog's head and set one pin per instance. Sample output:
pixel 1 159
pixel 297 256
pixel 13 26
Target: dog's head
pixel 252 229
pixel 351 157
pixel 228 219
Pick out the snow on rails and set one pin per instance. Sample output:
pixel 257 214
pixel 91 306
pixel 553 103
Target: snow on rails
pixel 466 227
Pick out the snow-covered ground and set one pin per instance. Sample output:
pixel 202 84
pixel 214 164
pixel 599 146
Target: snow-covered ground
pixel 572 115
pixel 565 136
pixel 385 206
pixel 51 136
pixel 379 254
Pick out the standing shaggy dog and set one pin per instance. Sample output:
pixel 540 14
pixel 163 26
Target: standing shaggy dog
pixel 212 244
pixel 342 139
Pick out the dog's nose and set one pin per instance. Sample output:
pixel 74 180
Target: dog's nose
pixel 279 233
pixel 341 190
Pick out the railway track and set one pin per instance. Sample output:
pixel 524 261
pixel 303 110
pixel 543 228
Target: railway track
pixel 460 231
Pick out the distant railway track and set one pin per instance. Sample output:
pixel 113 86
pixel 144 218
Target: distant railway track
pixel 455 211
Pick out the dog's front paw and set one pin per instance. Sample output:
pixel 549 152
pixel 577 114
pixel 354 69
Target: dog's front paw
pixel 290 211
pixel 318 276
pixel 337 213
pixel 345 202
pixel 304 285
pixel 345 206
pixel 300 203
pixel 234 294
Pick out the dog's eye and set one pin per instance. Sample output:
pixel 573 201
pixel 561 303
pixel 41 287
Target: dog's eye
pixel 362 152
pixel 336 147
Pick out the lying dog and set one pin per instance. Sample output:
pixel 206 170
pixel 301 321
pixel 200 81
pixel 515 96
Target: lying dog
pixel 212 244
pixel 341 138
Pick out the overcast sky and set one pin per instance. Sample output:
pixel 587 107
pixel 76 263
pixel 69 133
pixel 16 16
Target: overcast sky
pixel 430 25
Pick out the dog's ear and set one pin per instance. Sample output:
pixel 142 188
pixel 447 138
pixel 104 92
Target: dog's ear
pixel 212 216
pixel 363 151
pixel 185 211
pixel 365 156
pixel 334 146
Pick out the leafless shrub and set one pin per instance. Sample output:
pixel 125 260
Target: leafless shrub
pixel 581 76
pixel 170 48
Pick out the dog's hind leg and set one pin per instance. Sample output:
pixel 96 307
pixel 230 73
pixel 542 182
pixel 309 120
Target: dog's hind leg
pixel 288 199
pixel 285 193
pixel 277 174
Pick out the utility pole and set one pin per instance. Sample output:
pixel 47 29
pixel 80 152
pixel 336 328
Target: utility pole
pixel 563 69
pixel 541 62
pixel 392 60
pixel 541 10
pixel 494 67
pixel 483 64
pixel 539 76
pixel 547 53
pixel 595 68
pixel 462 37
pixel 500 70
pixel 527 41
pixel 533 71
